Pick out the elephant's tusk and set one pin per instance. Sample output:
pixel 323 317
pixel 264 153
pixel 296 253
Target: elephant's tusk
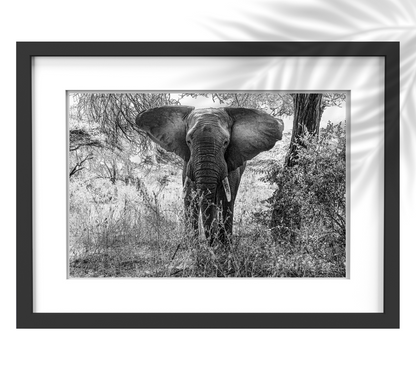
pixel 226 185
pixel 185 185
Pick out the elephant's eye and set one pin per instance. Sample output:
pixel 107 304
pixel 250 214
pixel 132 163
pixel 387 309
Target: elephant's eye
pixel 188 142
pixel 225 143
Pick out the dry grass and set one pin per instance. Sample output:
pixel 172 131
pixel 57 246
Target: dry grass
pixel 120 231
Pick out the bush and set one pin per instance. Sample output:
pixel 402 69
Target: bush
pixel 308 207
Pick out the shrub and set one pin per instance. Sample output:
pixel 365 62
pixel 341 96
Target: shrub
pixel 308 206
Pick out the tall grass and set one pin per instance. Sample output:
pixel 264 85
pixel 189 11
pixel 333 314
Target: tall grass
pixel 119 230
pixel 116 230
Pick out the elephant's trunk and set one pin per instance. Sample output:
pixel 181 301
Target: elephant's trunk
pixel 207 172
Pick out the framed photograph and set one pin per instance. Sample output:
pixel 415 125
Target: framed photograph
pixel 208 185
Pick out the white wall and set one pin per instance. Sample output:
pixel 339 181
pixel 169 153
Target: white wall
pixel 193 351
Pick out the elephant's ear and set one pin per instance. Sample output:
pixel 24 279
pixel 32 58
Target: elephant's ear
pixel 166 126
pixel 252 132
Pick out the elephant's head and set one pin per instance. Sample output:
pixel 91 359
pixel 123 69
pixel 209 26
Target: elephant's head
pixel 213 142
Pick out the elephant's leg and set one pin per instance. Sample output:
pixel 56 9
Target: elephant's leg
pixel 226 224
pixel 210 219
pixel 191 209
pixel 191 204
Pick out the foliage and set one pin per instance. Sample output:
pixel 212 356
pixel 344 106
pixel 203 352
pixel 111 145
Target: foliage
pixel 333 99
pixel 115 114
pixel 309 202
pixel 103 139
pixel 307 116
pixel 275 103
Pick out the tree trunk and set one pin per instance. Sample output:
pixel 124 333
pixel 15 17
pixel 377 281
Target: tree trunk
pixel 307 114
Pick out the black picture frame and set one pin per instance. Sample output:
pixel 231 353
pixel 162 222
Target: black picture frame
pixel 26 318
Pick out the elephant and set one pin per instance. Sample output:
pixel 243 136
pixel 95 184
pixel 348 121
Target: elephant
pixel 215 144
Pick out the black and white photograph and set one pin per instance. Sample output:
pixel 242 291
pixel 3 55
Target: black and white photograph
pixel 207 184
